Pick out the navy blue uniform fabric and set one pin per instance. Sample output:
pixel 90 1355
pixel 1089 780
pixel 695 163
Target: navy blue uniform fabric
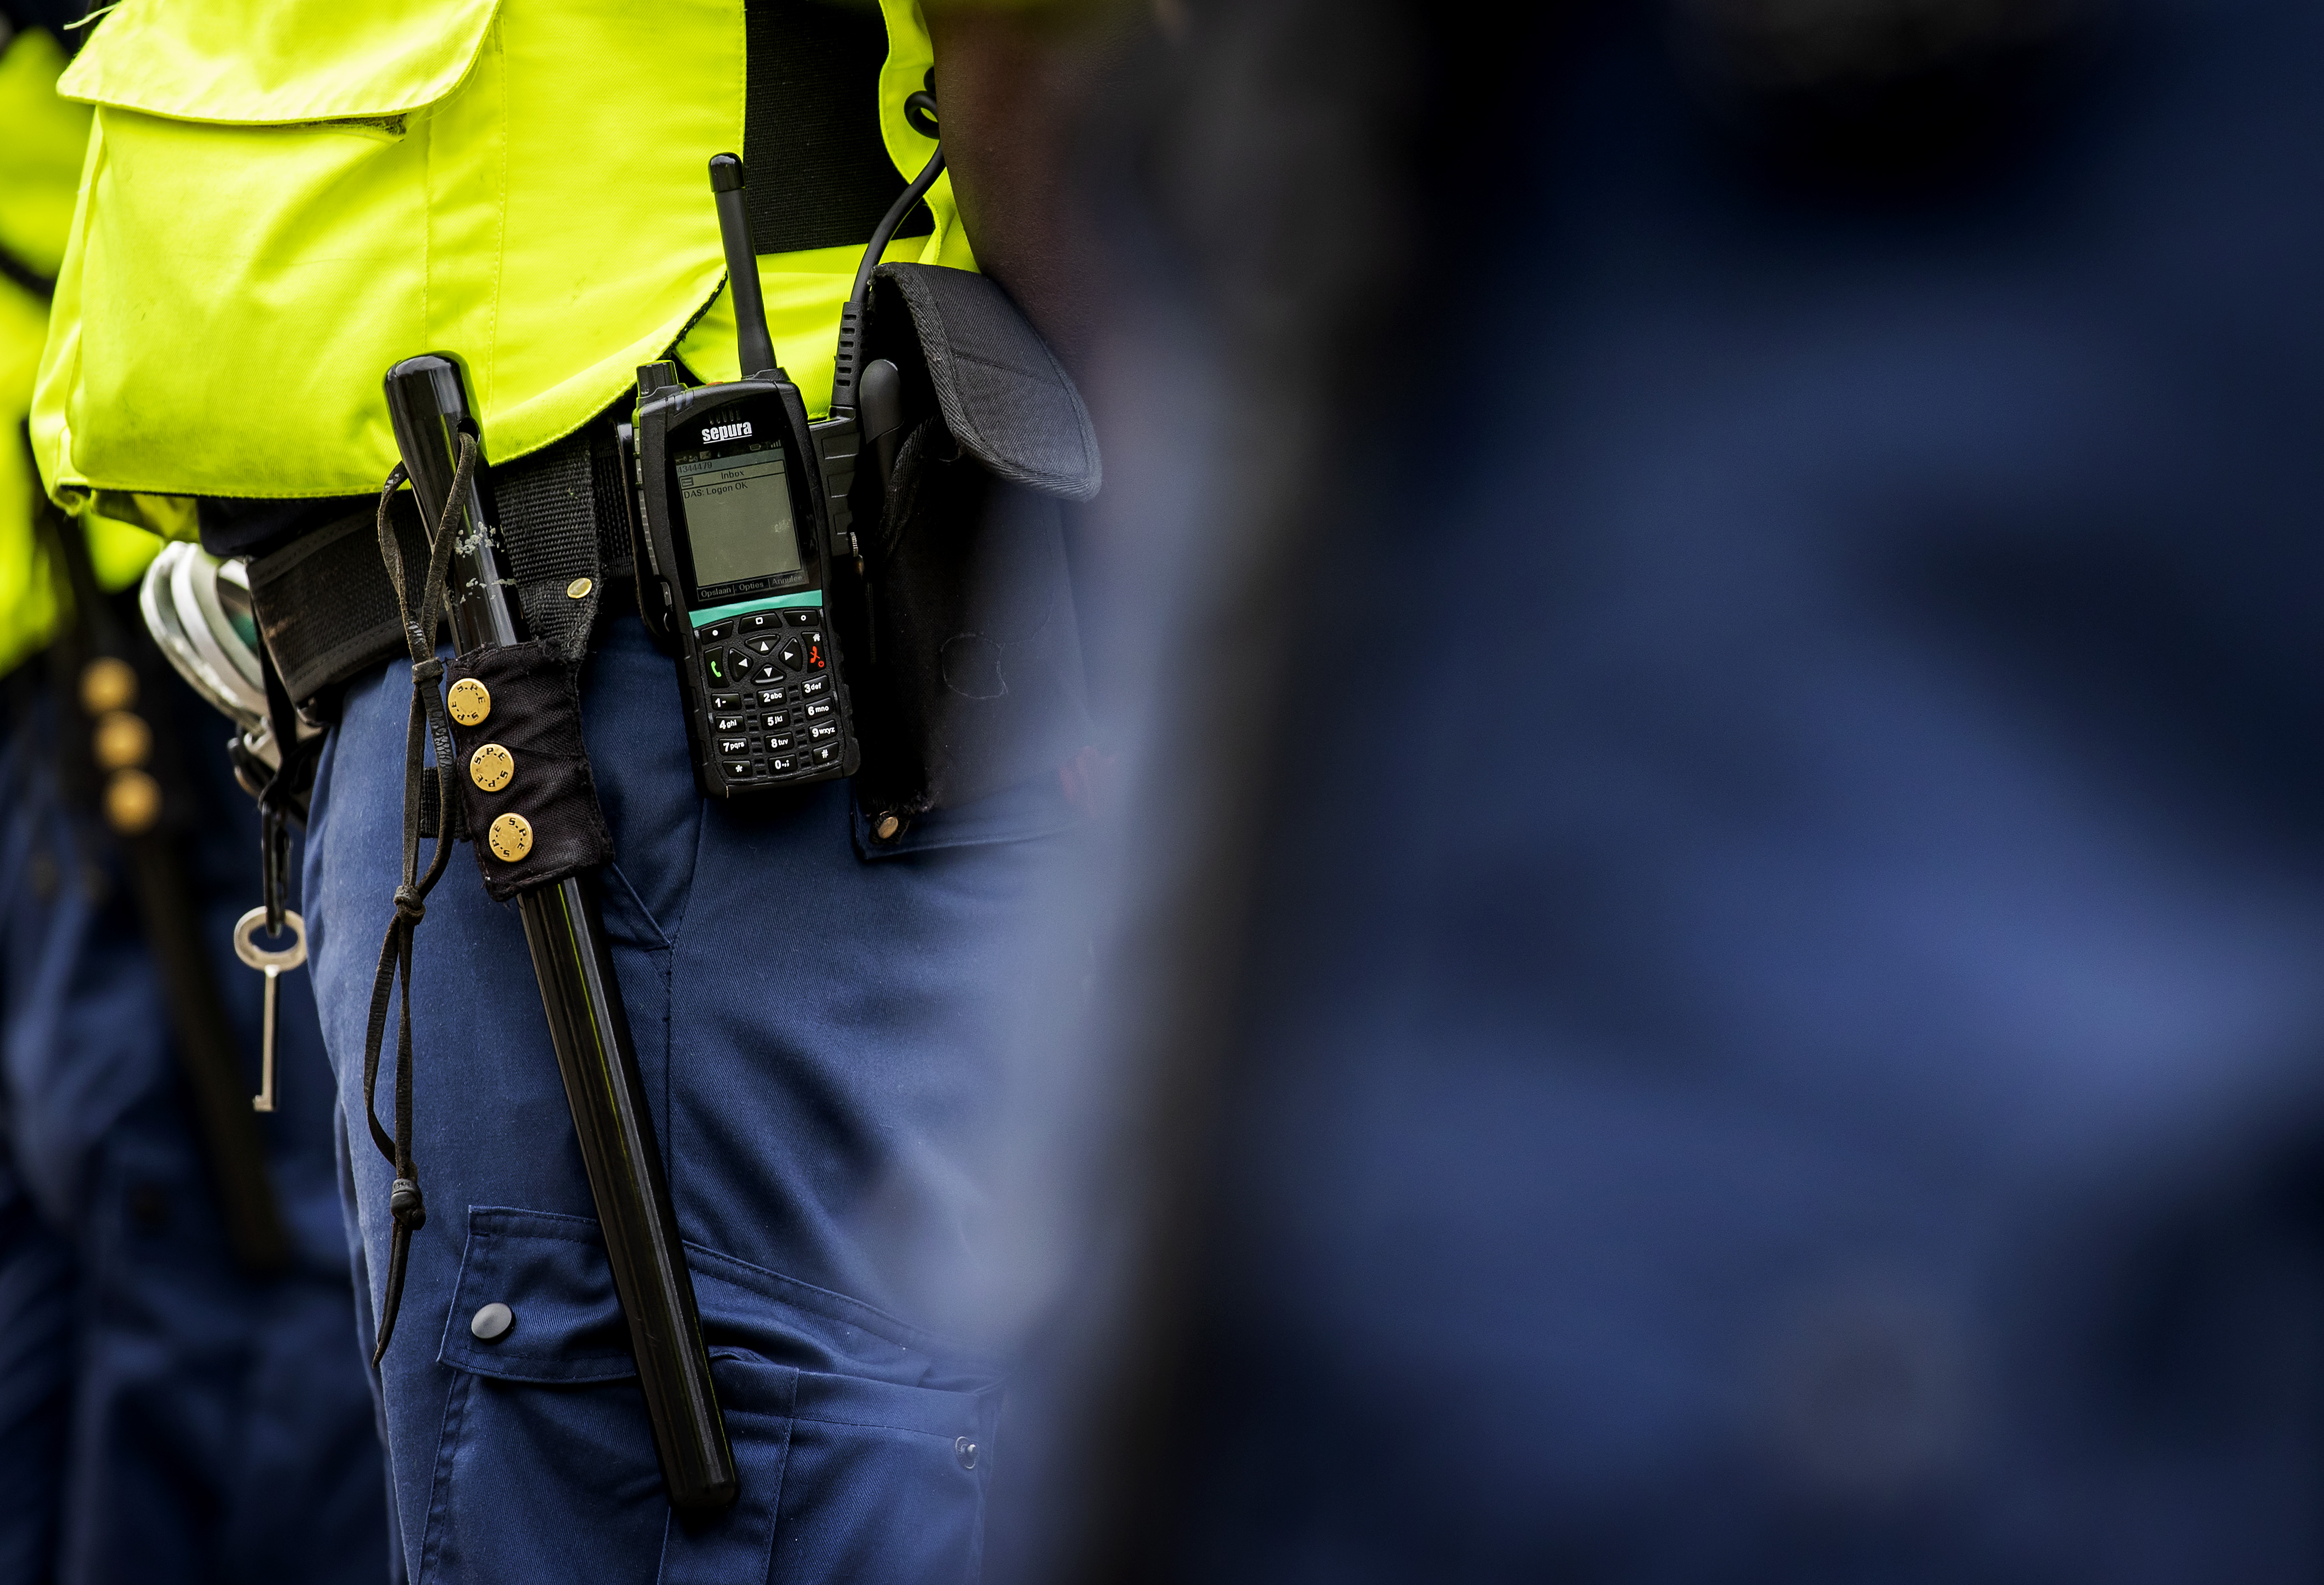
pixel 1804 1059
pixel 822 1038
pixel 36 1359
pixel 220 1425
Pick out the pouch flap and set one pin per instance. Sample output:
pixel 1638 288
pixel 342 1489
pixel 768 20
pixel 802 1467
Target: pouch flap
pixel 1004 396
pixel 273 62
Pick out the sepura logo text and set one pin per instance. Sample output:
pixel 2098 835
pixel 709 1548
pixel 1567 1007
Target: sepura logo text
pixel 726 432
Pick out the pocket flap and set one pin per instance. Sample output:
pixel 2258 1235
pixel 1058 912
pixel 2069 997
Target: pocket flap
pixel 273 62
pixel 1003 394
pixel 565 1323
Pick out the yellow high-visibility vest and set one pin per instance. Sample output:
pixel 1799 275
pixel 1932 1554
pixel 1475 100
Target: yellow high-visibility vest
pixel 41 137
pixel 282 197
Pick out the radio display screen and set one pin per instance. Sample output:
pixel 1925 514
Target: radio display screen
pixel 742 534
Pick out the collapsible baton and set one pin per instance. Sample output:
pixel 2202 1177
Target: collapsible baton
pixel 428 403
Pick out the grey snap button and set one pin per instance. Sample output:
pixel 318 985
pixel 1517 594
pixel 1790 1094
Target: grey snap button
pixel 965 1451
pixel 494 1320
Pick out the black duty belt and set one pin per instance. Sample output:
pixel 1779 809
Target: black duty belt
pixel 328 614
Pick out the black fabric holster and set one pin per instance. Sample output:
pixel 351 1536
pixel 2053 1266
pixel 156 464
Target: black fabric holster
pixel 536 717
pixel 963 643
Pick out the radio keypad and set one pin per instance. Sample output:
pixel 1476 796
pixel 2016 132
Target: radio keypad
pixel 757 734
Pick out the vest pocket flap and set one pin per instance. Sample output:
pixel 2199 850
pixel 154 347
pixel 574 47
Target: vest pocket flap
pixel 558 1319
pixel 1004 396
pixel 278 62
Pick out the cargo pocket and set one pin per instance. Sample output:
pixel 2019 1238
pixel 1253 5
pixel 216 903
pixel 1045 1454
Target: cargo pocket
pixel 545 1468
pixel 885 1484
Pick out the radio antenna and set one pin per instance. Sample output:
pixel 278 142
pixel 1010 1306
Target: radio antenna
pixel 755 347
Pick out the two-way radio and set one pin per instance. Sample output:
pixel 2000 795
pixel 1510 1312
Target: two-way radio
pixel 735 550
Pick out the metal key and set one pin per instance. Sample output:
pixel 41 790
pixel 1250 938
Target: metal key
pixel 272 963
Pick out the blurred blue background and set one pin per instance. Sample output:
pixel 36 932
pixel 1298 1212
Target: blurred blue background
pixel 1780 1034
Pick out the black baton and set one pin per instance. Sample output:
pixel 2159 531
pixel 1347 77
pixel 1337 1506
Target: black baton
pixel 427 401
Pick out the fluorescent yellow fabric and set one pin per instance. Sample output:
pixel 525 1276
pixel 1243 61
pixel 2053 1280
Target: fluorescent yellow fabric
pixel 41 137
pixel 252 61
pixel 40 141
pixel 238 283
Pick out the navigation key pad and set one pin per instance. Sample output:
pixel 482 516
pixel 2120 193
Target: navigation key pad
pixel 772 713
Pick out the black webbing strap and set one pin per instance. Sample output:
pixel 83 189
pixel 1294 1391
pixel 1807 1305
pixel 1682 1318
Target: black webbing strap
pixel 169 916
pixel 324 605
pixel 820 172
pixel 426 723
pixel 548 521
pixel 328 612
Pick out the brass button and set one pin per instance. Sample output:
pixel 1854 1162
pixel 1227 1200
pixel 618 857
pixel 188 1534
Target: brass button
pixel 107 685
pixel 469 701
pixel 491 768
pixel 510 836
pixel 122 740
pixel 133 802
pixel 885 831
pixel 578 589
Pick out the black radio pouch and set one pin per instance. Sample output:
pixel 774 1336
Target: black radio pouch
pixel 964 635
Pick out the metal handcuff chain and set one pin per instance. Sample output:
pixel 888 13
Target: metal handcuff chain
pixel 427 722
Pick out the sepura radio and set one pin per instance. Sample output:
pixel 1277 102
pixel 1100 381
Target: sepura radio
pixel 735 547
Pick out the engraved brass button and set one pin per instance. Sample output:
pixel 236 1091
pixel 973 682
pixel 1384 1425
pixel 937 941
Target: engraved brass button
pixel 510 838
pixel 107 685
pixel 469 701
pixel 491 768
pixel 133 802
pixel 578 589
pixel 122 740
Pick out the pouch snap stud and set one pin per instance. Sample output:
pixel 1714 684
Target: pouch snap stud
pixel 133 802
pixel 510 838
pixel 965 1451
pixel 108 683
pixel 469 701
pixel 122 740
pixel 491 768
pixel 492 1322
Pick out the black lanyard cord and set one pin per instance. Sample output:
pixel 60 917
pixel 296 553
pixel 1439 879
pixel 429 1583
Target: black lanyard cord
pixel 426 723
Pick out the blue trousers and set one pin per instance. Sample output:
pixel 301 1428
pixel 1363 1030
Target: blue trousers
pixel 823 1037
pixel 164 1415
